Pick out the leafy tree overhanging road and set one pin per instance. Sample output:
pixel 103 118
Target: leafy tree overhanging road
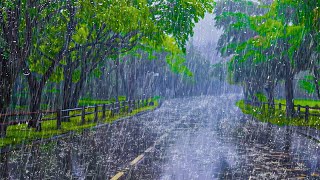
pixel 66 41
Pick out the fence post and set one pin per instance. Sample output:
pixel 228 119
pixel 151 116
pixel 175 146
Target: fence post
pixel 124 106
pixel 38 122
pixel 112 109
pixel 307 114
pixel 104 111
pixel 131 106
pixel 96 113
pixel 299 109
pixel 59 119
pixel 116 107
pixel 280 108
pixel 83 115
pixel 128 106
pixel 136 104
pixel 271 107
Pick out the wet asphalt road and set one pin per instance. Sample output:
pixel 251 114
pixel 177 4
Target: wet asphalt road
pixel 192 138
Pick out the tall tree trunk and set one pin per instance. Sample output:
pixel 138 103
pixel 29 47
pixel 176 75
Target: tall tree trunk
pixel 117 80
pixel 67 88
pixel 270 94
pixel 78 88
pixel 246 93
pixel 123 79
pixel 316 81
pixel 35 102
pixel 6 83
pixel 10 67
pixel 289 94
pixel 36 87
pixel 132 79
pixel 8 74
pixel 35 91
pixel 77 92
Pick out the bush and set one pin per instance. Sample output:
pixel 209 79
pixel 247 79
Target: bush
pixel 261 97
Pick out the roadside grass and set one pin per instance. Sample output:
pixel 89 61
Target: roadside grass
pixel 91 102
pixel 278 117
pixel 18 134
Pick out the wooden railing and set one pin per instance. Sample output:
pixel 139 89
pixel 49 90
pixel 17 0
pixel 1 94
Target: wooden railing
pixel 63 115
pixel 308 110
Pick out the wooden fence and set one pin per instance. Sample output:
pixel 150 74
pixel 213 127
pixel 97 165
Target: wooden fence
pixel 63 115
pixel 300 111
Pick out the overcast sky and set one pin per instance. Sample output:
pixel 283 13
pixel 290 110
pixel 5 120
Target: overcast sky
pixel 206 37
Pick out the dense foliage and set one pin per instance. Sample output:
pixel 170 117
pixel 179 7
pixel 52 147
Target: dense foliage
pixel 270 41
pixel 65 42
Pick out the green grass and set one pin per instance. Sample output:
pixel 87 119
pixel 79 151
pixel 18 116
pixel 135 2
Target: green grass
pixel 278 117
pixel 18 134
pixel 91 102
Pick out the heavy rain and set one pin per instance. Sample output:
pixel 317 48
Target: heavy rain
pixel 159 89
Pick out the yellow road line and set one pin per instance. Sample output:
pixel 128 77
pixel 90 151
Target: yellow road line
pixel 117 176
pixel 136 160
pixel 139 158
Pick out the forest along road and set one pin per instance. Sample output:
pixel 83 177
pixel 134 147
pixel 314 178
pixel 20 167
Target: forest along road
pixel 191 138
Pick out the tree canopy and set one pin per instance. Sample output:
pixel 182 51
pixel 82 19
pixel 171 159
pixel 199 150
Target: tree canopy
pixel 66 41
pixel 269 41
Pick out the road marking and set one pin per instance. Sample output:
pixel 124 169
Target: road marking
pixel 136 160
pixel 117 176
pixel 161 139
pixel 149 149
pixel 140 157
pixel 164 136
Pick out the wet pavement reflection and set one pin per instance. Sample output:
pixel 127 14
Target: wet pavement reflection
pixel 205 138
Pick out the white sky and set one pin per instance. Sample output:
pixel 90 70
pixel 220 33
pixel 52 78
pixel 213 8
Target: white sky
pixel 206 37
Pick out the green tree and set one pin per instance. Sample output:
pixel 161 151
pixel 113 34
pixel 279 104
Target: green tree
pixel 234 18
pixel 20 21
pixel 281 46
pixel 286 29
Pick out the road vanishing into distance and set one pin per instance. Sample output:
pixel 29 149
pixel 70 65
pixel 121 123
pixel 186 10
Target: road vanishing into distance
pixel 201 138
